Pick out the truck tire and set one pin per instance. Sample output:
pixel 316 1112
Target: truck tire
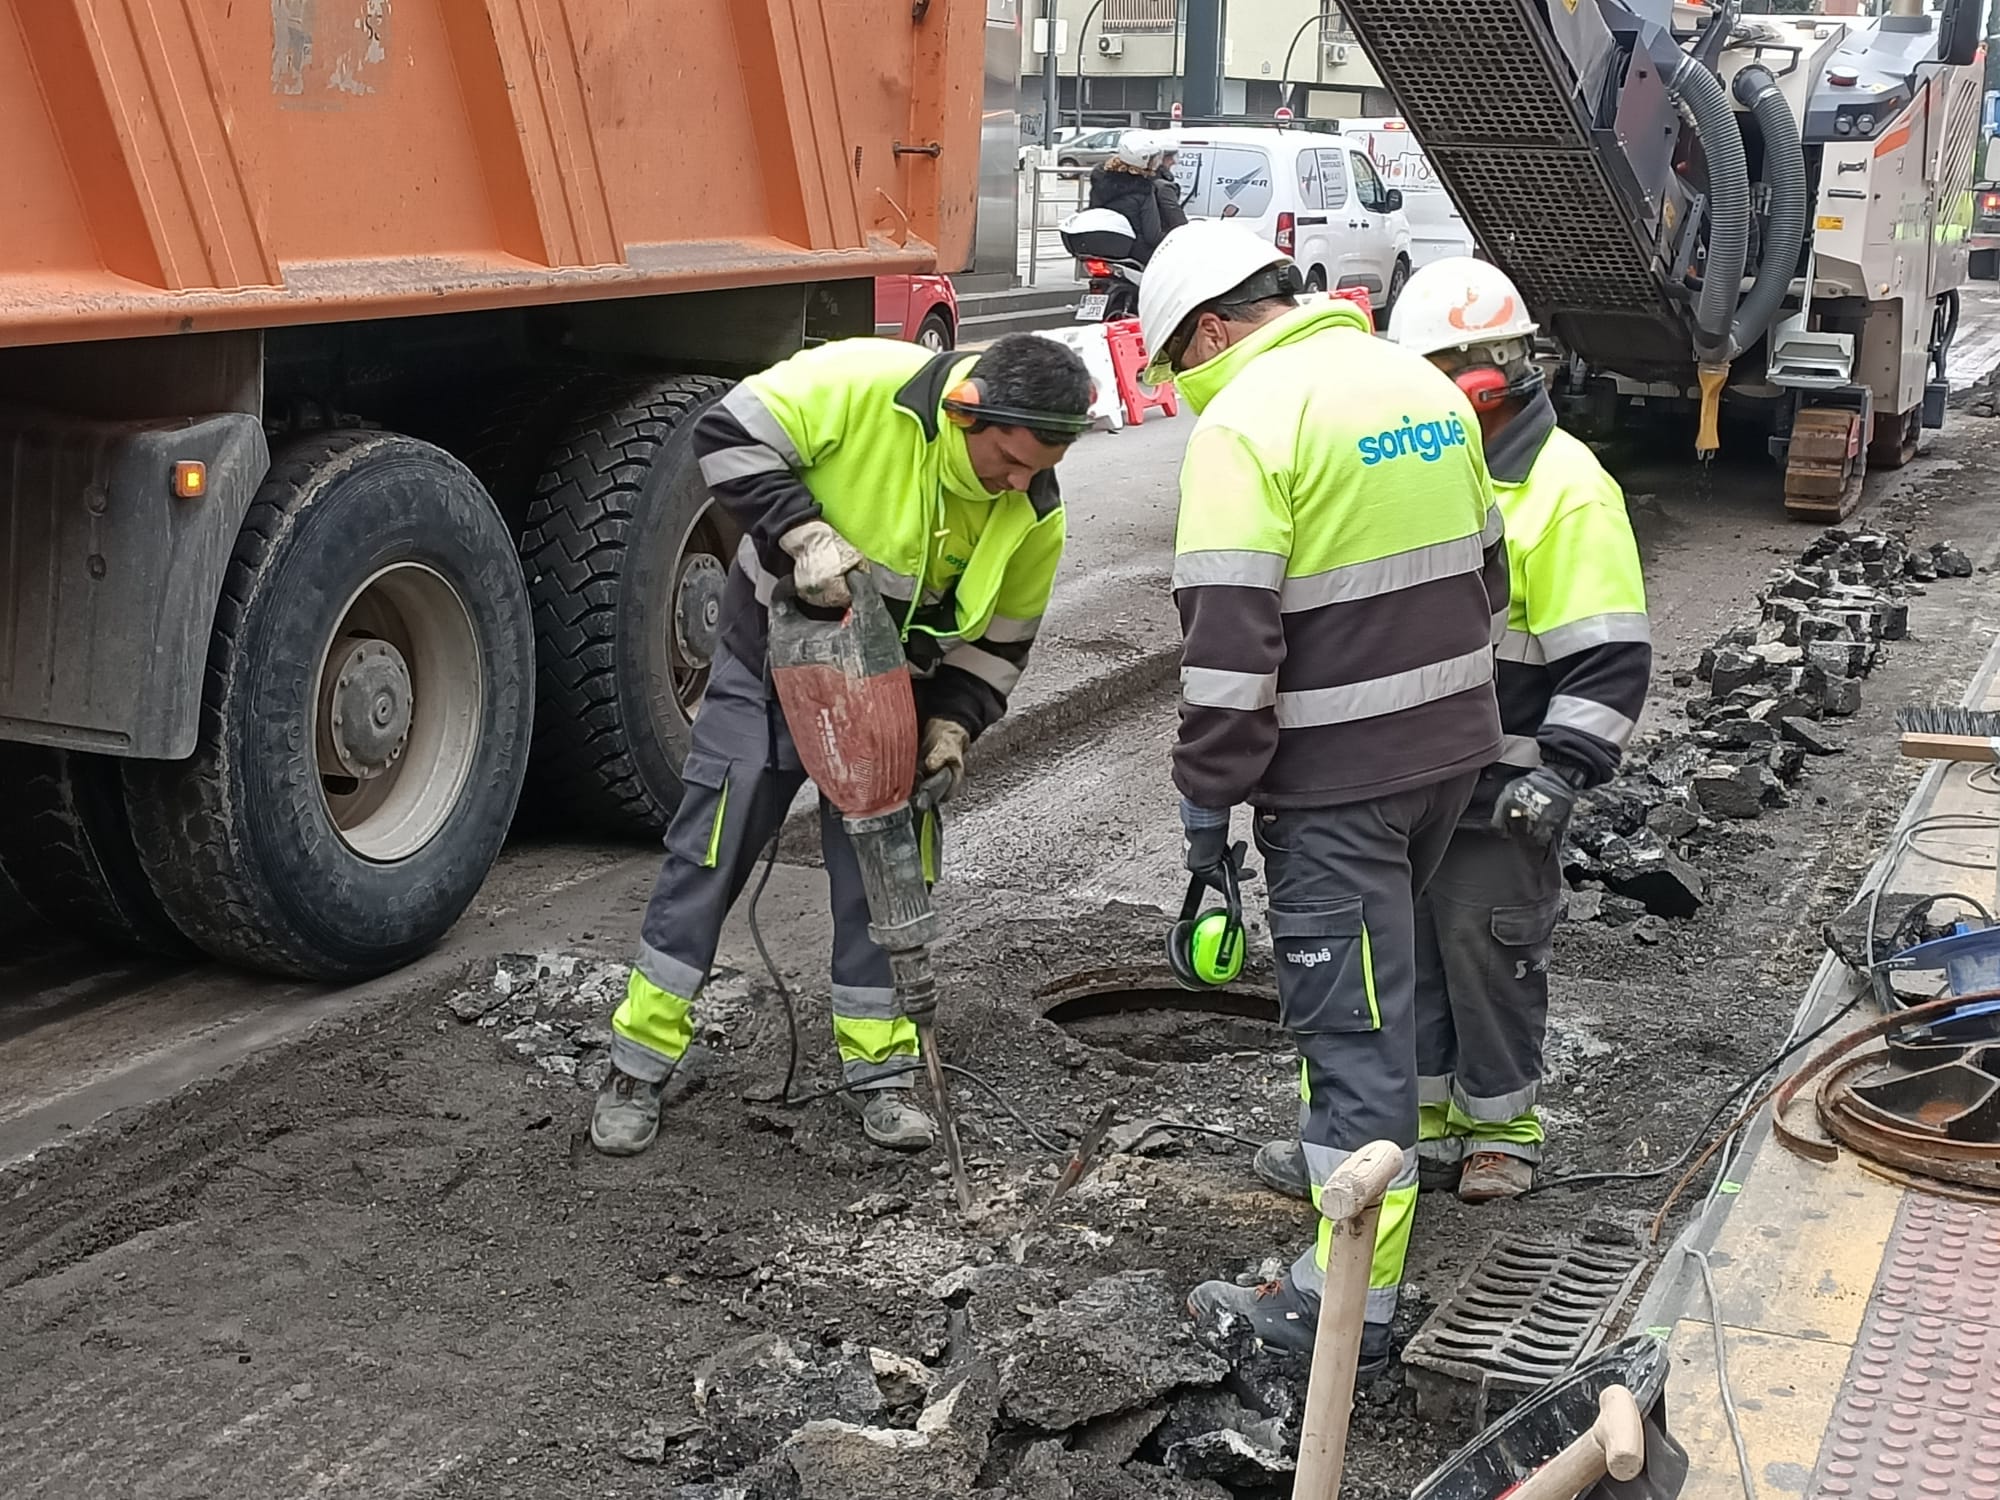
pixel 66 847
pixel 364 723
pixel 626 555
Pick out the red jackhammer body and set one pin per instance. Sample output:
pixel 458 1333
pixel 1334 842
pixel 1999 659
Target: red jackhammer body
pixel 844 685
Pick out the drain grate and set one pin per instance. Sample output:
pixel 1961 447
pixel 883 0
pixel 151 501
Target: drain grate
pixel 1529 1311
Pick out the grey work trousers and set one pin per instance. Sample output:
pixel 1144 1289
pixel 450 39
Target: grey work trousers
pixel 1344 883
pixel 741 775
pixel 1485 928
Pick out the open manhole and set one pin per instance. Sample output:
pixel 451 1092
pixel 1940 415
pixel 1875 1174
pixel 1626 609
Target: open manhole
pixel 1144 1014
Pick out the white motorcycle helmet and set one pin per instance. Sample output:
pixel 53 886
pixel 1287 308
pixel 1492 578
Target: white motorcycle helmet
pixel 1142 149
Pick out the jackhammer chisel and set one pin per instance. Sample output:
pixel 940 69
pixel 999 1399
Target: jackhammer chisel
pixel 844 685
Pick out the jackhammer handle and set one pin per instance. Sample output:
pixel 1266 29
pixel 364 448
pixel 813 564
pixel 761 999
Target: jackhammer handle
pixel 1614 1446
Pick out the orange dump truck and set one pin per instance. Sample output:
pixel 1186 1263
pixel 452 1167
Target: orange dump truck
pixel 348 355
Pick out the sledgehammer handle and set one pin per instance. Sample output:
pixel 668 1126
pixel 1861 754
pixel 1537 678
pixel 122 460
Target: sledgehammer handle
pixel 1615 1445
pixel 1352 1199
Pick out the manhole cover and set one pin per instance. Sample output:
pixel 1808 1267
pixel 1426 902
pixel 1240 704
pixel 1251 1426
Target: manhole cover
pixel 1528 1311
pixel 1144 1014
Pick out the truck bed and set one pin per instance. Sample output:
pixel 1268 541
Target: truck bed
pixel 181 165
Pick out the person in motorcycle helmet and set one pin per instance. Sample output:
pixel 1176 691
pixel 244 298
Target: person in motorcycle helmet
pixel 1168 190
pixel 1126 184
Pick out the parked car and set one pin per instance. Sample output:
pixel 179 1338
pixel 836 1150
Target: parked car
pixel 1312 194
pixel 1080 153
pixel 922 309
pixel 1436 228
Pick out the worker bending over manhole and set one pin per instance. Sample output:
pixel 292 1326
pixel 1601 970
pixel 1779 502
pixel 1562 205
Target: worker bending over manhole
pixel 936 474
pixel 1340 581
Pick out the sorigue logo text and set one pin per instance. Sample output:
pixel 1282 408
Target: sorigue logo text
pixel 1425 440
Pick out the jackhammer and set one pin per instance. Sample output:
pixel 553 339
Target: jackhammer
pixel 844 685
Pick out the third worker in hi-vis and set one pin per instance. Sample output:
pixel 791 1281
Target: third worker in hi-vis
pixel 1572 676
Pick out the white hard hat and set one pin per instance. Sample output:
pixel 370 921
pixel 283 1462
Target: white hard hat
pixel 1137 148
pixel 1195 264
pixel 1458 303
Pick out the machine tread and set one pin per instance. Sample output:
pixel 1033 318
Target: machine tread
pixel 573 544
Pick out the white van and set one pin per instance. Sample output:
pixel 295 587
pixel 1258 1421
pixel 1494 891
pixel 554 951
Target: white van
pixel 1436 229
pixel 1311 193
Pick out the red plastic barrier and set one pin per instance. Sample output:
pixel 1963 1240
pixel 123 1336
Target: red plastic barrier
pixel 1128 358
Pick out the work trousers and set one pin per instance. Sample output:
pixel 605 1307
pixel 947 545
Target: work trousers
pixel 741 775
pixel 1485 927
pixel 1344 883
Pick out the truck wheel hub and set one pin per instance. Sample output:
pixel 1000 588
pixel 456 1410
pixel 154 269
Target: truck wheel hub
pixel 368 707
pixel 698 607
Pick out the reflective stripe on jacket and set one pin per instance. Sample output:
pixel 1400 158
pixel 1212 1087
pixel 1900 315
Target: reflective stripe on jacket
pixel 1577 655
pixel 1338 569
pixel 851 432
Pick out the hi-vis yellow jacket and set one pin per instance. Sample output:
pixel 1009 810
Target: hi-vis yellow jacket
pixel 851 432
pixel 1339 571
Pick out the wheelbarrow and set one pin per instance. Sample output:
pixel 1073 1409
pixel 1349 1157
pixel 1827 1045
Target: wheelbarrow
pixel 1598 1432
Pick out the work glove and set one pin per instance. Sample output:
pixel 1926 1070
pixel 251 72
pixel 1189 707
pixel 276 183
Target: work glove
pixel 821 560
pixel 941 760
pixel 1536 806
pixel 1208 847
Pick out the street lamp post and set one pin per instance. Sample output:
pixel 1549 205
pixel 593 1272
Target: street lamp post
pixel 1050 88
pixel 1285 73
pixel 1083 31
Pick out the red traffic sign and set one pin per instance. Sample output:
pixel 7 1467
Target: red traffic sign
pixel 1284 112
pixel 1177 109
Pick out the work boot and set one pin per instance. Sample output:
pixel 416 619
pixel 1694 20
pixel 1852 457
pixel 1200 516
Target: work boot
pixel 891 1119
pixel 627 1114
pixel 1492 1175
pixel 1281 1165
pixel 1277 1312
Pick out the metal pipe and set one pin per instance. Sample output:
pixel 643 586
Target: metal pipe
pixel 1906 7
pixel 1051 89
pixel 1083 31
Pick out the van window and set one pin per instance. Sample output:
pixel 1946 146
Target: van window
pixel 1367 186
pixel 1333 176
pixel 1307 166
pixel 1224 182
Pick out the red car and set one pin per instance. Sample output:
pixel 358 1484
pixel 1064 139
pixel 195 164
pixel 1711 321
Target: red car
pixel 922 309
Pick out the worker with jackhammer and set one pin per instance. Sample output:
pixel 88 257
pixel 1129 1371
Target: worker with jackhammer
pixel 1340 580
pixel 935 474
pixel 1572 675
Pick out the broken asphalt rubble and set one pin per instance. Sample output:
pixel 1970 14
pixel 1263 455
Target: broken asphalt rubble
pixel 1636 846
pixel 1100 1396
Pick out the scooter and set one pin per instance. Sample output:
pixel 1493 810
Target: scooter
pixel 1102 239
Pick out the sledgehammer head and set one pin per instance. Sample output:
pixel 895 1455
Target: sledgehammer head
pixel 844 685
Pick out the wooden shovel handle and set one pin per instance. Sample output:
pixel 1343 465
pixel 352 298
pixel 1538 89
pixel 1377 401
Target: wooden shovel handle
pixel 1615 1445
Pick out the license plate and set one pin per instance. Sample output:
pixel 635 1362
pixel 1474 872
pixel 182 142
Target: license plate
pixel 1091 308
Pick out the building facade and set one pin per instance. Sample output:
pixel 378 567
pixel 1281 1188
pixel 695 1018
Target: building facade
pixel 1123 57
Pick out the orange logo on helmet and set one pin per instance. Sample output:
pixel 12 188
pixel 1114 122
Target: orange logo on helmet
pixel 1460 316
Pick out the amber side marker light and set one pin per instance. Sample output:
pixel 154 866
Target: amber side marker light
pixel 190 479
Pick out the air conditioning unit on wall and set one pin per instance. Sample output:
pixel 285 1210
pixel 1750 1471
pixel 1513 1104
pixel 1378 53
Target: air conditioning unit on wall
pixel 1111 46
pixel 1336 54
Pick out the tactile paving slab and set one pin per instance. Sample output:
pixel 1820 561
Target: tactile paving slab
pixel 1919 1411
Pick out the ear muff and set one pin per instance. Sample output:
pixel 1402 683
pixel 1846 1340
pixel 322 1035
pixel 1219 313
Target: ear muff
pixel 1205 949
pixel 1485 386
pixel 1488 386
pixel 965 405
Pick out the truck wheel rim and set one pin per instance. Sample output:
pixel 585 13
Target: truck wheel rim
pixel 397 714
pixel 694 623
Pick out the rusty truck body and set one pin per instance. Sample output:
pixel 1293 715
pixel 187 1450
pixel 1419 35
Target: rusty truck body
pixel 348 355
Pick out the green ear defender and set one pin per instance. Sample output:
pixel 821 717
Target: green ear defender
pixel 1205 949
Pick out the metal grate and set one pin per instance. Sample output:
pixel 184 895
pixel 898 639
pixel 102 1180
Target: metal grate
pixel 1583 256
pixel 1128 16
pixel 1528 1311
